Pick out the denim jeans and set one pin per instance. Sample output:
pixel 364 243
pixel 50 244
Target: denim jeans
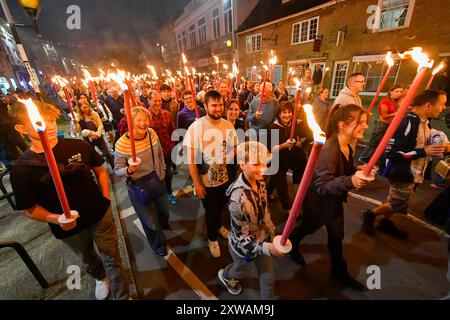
pixel 150 216
pixel 264 266
pixel 104 235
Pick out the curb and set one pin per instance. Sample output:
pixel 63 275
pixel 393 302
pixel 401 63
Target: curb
pixel 122 239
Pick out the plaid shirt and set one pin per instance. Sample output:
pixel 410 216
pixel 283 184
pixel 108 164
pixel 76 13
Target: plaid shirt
pixel 163 125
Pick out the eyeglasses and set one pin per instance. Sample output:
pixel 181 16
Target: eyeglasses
pixel 360 81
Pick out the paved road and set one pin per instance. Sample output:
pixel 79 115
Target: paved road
pixel 412 269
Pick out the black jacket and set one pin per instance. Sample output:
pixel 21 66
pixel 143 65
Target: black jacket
pixel 401 150
pixel 331 183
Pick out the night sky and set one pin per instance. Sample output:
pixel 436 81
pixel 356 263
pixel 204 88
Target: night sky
pixel 104 23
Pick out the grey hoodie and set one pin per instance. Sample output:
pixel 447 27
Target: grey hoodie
pixel 252 229
pixel 347 97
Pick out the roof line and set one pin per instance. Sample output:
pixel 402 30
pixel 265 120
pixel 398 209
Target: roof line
pixel 332 2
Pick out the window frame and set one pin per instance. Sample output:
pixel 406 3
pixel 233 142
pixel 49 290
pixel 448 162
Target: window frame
pixel 333 77
pixel 308 31
pixel 377 28
pixel 192 36
pixel 200 27
pixel 216 23
pixel 227 18
pixel 383 70
pixel 256 35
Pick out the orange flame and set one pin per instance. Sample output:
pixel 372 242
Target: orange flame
pixel 389 59
pixel 183 57
pixel 319 135
pixel 153 71
pixel 439 68
pixel 60 81
pixel 33 113
pixel 420 57
pixel 225 66
pixel 119 78
pixel 297 82
pixel 235 68
pixel 216 59
pixel 186 69
pixel 273 60
pixel 265 67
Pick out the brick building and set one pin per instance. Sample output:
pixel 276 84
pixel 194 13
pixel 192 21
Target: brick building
pixel 353 37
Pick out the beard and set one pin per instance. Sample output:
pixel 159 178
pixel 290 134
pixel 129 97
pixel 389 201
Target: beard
pixel 213 116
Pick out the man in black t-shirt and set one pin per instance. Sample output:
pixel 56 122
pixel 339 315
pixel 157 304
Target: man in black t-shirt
pixel 36 194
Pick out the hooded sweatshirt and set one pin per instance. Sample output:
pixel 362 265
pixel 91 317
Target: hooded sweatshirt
pixel 346 96
pixel 252 229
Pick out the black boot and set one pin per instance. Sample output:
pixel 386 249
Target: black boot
pixel 343 277
pixel 368 220
pixel 388 227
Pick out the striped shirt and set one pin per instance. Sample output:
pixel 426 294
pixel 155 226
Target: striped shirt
pixel 123 153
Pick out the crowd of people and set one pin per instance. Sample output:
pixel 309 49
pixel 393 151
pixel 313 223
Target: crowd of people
pixel 228 169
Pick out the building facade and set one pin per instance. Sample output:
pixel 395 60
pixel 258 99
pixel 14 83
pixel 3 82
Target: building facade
pixel 13 74
pixel 206 28
pixel 344 36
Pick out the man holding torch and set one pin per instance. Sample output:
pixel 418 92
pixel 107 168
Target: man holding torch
pixel 35 193
pixel 262 115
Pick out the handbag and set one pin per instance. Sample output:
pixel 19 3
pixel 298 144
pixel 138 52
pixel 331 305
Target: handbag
pixel 149 187
pixel 443 168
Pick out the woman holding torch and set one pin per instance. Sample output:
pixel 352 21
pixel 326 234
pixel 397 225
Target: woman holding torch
pixel 334 177
pixel 145 180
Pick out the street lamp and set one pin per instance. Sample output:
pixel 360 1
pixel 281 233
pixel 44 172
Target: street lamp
pixel 33 9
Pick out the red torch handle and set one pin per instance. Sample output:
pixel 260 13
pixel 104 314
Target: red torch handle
pixel 262 92
pixel 93 92
pixel 197 113
pixel 294 115
pixel 301 192
pixel 53 167
pixel 383 82
pixel 127 98
pixel 430 82
pixel 69 103
pixel 406 102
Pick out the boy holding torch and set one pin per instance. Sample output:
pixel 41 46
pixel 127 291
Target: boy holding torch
pixel 36 194
pixel 407 154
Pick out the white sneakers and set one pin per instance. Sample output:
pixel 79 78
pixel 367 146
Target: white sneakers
pixel 224 232
pixel 101 289
pixel 214 248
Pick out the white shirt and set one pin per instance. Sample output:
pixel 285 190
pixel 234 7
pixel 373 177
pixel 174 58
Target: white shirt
pixel 214 143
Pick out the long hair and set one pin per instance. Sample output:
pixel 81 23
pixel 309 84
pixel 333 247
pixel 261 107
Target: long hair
pixel 397 86
pixel 80 103
pixel 346 113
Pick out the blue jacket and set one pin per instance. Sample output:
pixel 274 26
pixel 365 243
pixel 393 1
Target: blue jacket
pixel 401 150
pixel 268 116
